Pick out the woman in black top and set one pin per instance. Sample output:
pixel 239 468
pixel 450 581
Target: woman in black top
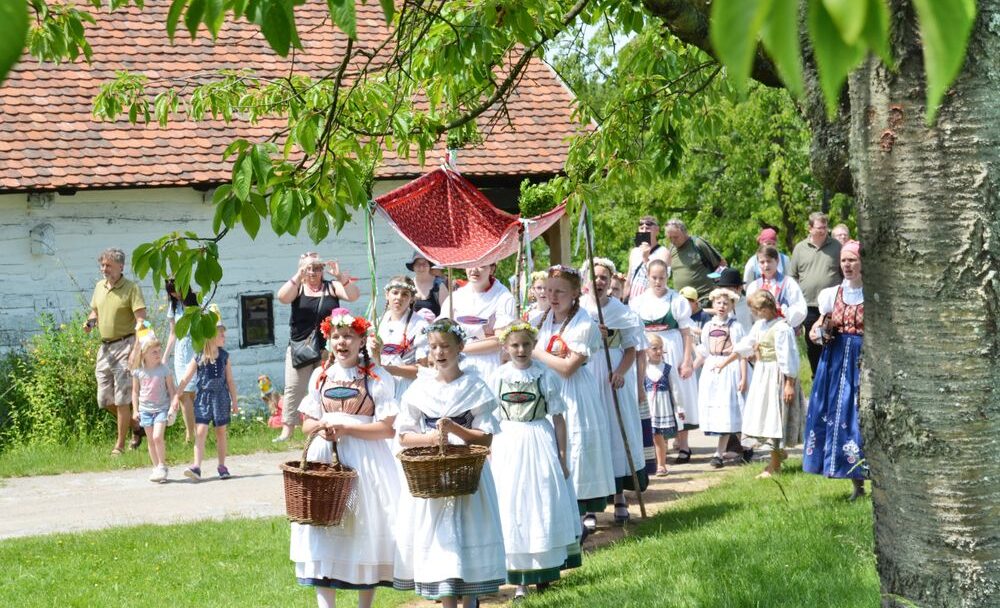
pixel 431 290
pixel 312 298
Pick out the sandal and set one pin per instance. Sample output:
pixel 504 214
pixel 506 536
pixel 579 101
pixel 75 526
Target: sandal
pixel 683 456
pixel 116 452
pixel 621 520
pixel 662 471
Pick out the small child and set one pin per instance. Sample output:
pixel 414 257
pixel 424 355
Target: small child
pixel 661 378
pixel 448 548
pixel 720 396
pixel 152 393
pixel 772 415
pixel 530 452
pixel 215 400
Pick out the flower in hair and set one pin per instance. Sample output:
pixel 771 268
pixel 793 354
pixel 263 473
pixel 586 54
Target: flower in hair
pixel 445 326
pixel 518 326
pixel 341 317
pixel 564 269
pixel 399 285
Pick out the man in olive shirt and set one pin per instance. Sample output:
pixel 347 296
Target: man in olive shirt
pixel 815 265
pixel 117 309
pixel 692 260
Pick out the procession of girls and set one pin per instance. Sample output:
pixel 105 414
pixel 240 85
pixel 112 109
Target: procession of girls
pixel 538 391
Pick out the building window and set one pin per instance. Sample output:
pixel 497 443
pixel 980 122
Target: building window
pixel 256 319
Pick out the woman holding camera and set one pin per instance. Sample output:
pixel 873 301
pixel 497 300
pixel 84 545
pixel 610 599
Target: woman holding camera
pixel 312 298
pixel 833 435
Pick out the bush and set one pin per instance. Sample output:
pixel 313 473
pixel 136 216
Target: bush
pixel 53 389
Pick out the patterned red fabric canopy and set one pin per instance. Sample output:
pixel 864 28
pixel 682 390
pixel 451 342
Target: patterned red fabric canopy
pixel 449 221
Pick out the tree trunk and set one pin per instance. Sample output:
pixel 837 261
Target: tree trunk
pixel 928 205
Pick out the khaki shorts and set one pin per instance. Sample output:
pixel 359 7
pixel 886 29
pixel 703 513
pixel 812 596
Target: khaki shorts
pixel 114 380
pixel 296 389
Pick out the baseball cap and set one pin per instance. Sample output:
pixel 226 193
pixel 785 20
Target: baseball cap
pixel 689 292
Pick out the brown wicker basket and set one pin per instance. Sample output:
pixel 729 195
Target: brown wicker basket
pixel 317 493
pixel 445 470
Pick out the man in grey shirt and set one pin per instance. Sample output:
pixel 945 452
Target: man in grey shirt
pixel 815 265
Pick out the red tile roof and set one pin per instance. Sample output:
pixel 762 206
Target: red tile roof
pixel 50 141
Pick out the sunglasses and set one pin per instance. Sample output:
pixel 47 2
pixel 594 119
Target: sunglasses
pixel 648 224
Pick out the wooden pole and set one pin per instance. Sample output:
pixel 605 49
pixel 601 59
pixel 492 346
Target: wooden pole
pixel 607 359
pixel 451 296
pixel 519 271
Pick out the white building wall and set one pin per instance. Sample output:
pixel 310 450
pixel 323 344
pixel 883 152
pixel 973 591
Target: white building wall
pixel 58 274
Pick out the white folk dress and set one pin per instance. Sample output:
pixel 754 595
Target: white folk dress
pixel 537 508
pixel 360 553
pixel 624 332
pixel 481 314
pixel 766 418
pixel 787 293
pixel 720 403
pixel 668 317
pixel 448 547
pixel 588 441
pixel 402 344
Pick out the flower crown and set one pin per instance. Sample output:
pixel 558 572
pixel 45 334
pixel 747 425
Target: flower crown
pixel 442 326
pixel 518 326
pixel 399 285
pixel 563 269
pixel 341 317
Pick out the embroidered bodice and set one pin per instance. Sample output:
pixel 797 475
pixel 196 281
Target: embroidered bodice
pixel 848 318
pixel 522 401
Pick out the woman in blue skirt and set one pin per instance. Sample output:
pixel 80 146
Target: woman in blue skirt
pixel 833 445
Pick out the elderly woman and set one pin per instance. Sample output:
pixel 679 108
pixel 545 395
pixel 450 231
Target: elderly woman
pixel 312 298
pixel 431 290
pixel 833 435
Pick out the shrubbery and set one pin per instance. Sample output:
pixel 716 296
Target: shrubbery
pixel 51 388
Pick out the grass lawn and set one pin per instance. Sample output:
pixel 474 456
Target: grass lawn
pixel 80 456
pixel 738 544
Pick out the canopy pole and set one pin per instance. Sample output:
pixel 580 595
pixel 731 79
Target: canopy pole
pixel 607 359
pixel 451 296
pixel 519 279
pixel 372 264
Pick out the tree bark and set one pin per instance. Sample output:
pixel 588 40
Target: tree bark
pixel 928 205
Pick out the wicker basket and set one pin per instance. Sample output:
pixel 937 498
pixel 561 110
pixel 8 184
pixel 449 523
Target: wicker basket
pixel 317 493
pixel 445 470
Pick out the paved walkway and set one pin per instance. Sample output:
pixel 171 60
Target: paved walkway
pixel 89 501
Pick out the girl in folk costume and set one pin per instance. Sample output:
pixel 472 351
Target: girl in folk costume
pixel 833 435
pixel 668 314
pixel 350 402
pixel 788 294
pixel 624 331
pixel 772 413
pixel 659 382
pixel 449 547
pixel 720 396
pixel 567 339
pixel 482 307
pixel 401 333
pixel 529 457
pixel 539 303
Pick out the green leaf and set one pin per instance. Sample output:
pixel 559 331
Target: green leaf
pixel 13 33
pixel 203 275
pixel 848 16
pixel 388 8
pixel 733 28
pixel 780 35
pixel 876 32
pixel 242 177
pixel 834 58
pixel 342 13
pixel 261 164
pixel 945 26
pixel 277 29
pixel 214 15
pixel 183 326
pixel 173 16
pixel 319 226
pixel 281 211
pixel 193 16
pixel 206 326
pixel 251 220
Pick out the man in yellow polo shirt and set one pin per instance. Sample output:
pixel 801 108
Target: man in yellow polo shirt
pixel 117 309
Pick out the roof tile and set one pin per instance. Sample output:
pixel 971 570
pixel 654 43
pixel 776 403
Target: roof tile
pixel 52 141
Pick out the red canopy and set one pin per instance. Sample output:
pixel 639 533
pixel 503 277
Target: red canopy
pixel 449 221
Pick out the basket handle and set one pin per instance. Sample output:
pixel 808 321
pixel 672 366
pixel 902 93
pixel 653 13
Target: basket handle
pixel 442 440
pixel 334 458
